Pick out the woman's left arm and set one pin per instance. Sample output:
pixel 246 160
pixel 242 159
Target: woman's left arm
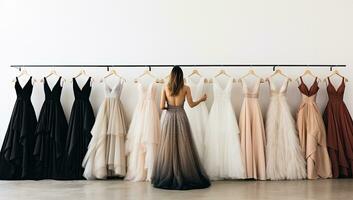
pixel 163 99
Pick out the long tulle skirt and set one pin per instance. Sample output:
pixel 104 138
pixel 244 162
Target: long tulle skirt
pixel 177 165
pixel 106 151
pixel 283 154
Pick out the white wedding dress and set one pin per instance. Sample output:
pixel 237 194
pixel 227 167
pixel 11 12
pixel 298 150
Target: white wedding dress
pixel 106 151
pixel 198 115
pixel 143 135
pixel 222 155
pixel 284 158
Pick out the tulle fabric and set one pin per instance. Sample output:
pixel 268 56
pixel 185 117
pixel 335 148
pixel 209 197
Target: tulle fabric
pixel 49 149
pixel 198 115
pixel 252 133
pixel 284 157
pixel 78 135
pixel 312 134
pixel 177 163
pixel 16 156
pixel 143 135
pixel 106 151
pixel 339 127
pixel 222 156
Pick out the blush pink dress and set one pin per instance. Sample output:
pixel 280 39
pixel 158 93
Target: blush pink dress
pixel 252 133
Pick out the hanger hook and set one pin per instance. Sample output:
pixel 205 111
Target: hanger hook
pixel 274 68
pixel 331 68
pixel 149 68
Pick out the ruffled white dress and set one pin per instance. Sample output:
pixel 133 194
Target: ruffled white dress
pixel 198 115
pixel 106 151
pixel 222 155
pixel 284 158
pixel 143 135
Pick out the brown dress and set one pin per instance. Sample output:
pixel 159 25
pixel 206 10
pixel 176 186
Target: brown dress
pixel 312 134
pixel 339 126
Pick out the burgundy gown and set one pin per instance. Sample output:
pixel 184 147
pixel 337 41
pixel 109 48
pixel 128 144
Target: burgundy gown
pixel 339 127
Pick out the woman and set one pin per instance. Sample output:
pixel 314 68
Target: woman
pixel 177 164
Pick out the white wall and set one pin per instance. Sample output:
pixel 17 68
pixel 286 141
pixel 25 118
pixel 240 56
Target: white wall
pixel 171 32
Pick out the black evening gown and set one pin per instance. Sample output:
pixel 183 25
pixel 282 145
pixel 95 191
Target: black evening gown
pixel 79 131
pixel 49 149
pixel 177 165
pixel 16 156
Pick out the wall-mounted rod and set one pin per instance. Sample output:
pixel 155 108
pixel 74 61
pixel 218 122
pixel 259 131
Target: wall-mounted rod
pixel 273 66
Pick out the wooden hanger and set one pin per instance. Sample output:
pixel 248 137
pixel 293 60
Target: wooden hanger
pixel 82 73
pixel 150 74
pixel 196 72
pixel 224 73
pixel 23 73
pixel 51 73
pixel 253 73
pixel 336 72
pixel 279 72
pixel 112 72
pixel 307 72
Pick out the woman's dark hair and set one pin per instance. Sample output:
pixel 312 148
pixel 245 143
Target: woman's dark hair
pixel 176 81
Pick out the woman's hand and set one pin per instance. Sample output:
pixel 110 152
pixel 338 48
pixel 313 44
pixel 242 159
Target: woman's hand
pixel 203 98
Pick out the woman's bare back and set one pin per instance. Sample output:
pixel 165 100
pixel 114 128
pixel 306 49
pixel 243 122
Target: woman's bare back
pixel 179 99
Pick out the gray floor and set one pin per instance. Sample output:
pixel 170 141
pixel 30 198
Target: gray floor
pixel 118 190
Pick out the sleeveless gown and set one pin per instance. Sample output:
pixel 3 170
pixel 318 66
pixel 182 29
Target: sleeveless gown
pixel 49 149
pixel 252 133
pixel 106 152
pixel 143 135
pixel 222 156
pixel 339 127
pixel 312 134
pixel 78 135
pixel 284 158
pixel 177 165
pixel 198 115
pixel 16 156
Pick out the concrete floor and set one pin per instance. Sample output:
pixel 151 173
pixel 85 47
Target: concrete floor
pixel 121 190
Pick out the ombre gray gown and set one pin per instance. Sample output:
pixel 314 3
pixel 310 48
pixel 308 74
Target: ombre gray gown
pixel 177 164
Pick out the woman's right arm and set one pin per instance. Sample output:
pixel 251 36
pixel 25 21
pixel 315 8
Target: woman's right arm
pixel 190 100
pixel 163 99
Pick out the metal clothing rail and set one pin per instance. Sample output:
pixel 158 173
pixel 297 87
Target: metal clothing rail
pixel 273 66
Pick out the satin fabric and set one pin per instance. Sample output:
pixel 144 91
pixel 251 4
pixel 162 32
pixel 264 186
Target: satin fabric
pixel 78 136
pixel 16 156
pixel 49 149
pixel 339 128
pixel 312 134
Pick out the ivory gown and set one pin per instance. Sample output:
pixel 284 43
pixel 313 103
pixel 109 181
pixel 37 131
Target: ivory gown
pixel 312 134
pixel 198 115
pixel 106 151
pixel 222 156
pixel 143 135
pixel 284 158
pixel 252 133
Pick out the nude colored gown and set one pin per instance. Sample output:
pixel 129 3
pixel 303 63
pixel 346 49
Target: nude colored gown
pixel 252 133
pixel 312 134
